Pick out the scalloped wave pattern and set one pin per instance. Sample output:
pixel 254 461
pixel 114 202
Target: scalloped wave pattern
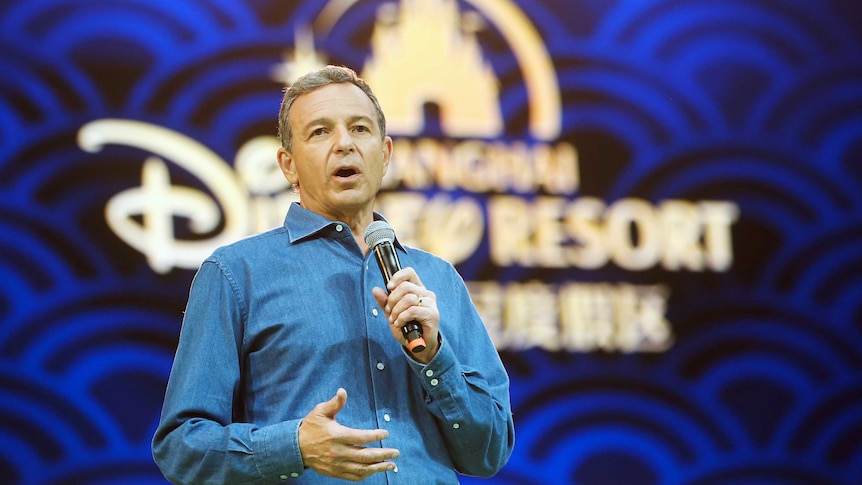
pixel 758 102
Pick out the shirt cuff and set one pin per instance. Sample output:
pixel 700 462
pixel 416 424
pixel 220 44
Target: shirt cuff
pixel 438 375
pixel 279 454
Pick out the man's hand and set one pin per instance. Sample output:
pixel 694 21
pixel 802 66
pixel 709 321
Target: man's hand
pixel 335 450
pixel 408 300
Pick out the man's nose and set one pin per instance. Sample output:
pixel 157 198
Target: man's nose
pixel 343 139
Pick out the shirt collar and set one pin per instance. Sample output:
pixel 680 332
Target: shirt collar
pixel 302 223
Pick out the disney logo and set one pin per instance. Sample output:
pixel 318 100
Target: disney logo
pixel 252 193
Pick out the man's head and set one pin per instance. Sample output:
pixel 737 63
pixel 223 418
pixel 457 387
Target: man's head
pixel 334 151
pixel 316 80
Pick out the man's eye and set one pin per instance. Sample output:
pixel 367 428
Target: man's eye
pixel 318 132
pixel 361 128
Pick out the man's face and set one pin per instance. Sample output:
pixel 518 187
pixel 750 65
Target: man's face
pixel 339 156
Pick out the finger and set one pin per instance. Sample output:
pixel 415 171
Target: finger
pixel 370 456
pixel 420 305
pixel 381 296
pixel 356 472
pixel 404 275
pixel 383 466
pixel 367 467
pixel 357 437
pixel 408 293
pixel 335 405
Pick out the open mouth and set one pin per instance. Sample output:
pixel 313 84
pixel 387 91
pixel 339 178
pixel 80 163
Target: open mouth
pixel 345 172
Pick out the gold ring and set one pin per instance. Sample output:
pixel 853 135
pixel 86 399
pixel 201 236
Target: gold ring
pixel 420 302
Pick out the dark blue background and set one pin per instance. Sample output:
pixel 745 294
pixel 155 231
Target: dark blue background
pixel 757 102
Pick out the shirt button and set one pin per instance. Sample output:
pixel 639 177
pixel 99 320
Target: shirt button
pixel 339 228
pixel 283 477
pixel 434 382
pixel 374 312
pixel 380 366
pixel 456 425
pixel 387 418
pixel 294 474
pixel 429 372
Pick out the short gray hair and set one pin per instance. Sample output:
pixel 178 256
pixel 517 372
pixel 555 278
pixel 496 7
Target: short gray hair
pixel 316 80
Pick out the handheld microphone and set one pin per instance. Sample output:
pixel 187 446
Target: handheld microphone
pixel 379 236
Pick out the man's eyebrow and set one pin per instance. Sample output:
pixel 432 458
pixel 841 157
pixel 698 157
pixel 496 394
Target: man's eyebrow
pixel 318 121
pixel 360 118
pixel 326 121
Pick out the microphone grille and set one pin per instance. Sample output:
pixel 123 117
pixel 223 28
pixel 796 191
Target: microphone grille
pixel 378 232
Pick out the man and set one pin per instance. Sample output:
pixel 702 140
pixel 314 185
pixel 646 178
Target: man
pixel 291 363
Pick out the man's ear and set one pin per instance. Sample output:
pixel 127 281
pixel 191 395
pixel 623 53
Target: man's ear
pixel 288 168
pixel 387 153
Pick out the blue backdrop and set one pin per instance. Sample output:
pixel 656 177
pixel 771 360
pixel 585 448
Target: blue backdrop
pixel 754 102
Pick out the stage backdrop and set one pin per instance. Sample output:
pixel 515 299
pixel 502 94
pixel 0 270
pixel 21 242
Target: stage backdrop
pixel 657 206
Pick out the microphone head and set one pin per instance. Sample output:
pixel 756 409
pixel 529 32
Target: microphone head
pixel 378 232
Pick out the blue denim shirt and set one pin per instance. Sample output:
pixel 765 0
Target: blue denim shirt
pixel 276 323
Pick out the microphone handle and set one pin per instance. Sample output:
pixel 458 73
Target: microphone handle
pixel 387 259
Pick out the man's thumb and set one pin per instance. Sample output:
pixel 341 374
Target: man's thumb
pixel 335 405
